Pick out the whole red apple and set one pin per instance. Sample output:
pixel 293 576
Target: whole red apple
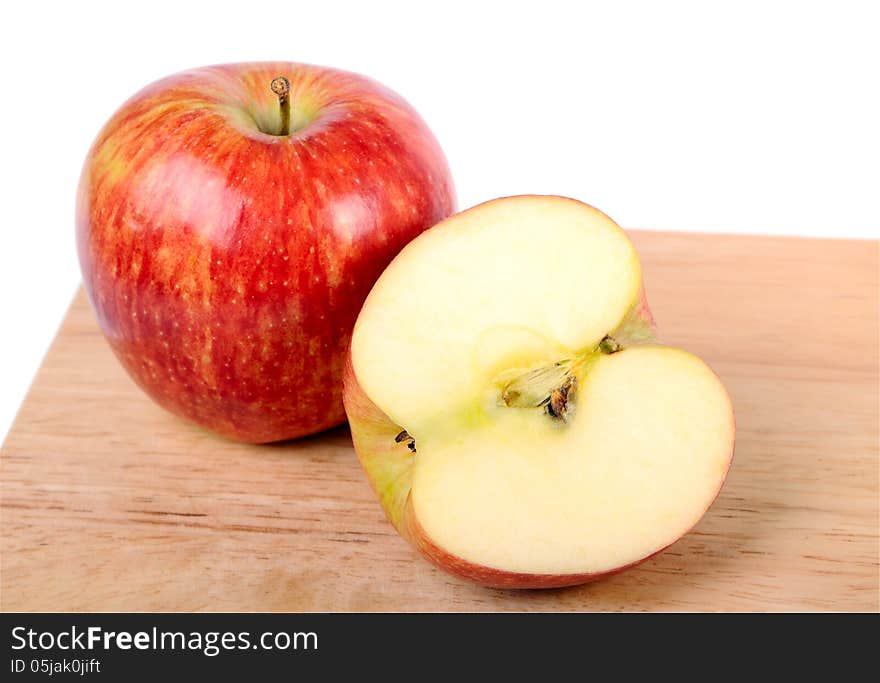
pixel 231 221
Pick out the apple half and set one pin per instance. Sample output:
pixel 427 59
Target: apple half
pixel 513 409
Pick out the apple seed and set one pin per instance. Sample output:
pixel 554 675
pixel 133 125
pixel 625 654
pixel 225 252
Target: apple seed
pixel 405 437
pixel 558 402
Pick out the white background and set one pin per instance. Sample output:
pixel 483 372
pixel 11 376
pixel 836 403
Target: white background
pixel 734 117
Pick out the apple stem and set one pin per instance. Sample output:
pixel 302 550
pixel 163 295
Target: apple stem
pixel 281 87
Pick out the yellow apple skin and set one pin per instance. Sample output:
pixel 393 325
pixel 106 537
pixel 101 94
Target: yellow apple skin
pixel 388 466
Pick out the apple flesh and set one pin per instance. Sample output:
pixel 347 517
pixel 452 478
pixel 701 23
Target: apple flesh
pixel 230 222
pixel 513 409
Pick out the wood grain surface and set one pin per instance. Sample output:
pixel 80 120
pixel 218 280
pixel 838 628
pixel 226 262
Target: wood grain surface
pixel 109 503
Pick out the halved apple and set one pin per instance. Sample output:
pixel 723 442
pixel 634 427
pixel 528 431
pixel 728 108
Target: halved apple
pixel 513 409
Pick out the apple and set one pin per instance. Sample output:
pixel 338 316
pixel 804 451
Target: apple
pixel 230 222
pixel 513 409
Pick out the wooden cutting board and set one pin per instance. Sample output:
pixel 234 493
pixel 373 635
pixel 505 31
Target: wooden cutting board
pixel 109 503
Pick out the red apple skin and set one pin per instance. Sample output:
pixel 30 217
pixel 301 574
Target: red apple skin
pixel 227 266
pixel 388 468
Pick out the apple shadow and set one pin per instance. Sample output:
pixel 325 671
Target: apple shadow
pixel 337 436
pixel 340 435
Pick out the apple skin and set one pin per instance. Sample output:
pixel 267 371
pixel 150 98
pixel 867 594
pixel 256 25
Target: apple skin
pixel 388 466
pixel 226 266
